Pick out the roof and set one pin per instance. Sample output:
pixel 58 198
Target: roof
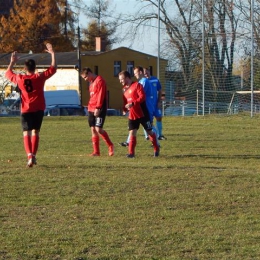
pixel 63 59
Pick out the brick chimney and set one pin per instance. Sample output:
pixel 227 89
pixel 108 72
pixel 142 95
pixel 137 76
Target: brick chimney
pixel 100 46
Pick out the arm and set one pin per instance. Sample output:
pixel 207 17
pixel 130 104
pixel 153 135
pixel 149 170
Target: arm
pixel 159 94
pixel 139 99
pixel 159 98
pixel 13 60
pixel 9 74
pixel 101 95
pixel 51 51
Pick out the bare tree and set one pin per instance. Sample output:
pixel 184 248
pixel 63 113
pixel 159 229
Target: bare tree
pixel 103 24
pixel 181 23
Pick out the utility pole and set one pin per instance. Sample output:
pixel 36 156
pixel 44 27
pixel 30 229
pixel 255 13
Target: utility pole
pixel 79 66
pixel 66 18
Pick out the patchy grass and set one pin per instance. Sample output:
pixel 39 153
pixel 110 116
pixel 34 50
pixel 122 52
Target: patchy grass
pixel 198 200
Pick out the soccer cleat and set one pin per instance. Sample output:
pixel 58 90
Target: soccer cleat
pixel 125 144
pixel 162 137
pixel 94 154
pixel 156 153
pixel 147 138
pixel 30 162
pixel 111 150
pixel 130 155
pixel 34 160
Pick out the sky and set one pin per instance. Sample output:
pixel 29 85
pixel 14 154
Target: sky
pixel 147 43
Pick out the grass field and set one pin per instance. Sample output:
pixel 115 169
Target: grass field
pixel 199 200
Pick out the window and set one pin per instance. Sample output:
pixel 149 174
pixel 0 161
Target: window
pixel 151 70
pixel 130 67
pixel 96 70
pixel 117 68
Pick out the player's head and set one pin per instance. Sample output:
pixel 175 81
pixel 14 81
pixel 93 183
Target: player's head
pixel 30 65
pixel 147 73
pixel 124 77
pixel 86 74
pixel 139 72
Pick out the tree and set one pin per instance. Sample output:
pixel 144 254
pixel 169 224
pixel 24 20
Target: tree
pixel 22 32
pixel 220 31
pixel 182 22
pixel 101 25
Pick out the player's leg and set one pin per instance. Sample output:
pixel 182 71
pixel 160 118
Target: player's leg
pixel 158 116
pixel 94 135
pixel 125 143
pixel 100 120
pixel 153 138
pixel 26 122
pixel 133 126
pixel 35 137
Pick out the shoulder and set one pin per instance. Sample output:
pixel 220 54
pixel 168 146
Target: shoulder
pixel 100 80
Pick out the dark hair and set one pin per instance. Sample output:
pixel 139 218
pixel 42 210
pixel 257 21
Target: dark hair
pixel 85 71
pixel 139 68
pixel 125 73
pixel 30 65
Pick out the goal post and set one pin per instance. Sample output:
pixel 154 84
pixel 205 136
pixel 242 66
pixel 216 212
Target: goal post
pixel 229 102
pixel 241 92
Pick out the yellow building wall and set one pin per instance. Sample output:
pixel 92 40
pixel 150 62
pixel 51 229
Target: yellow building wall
pixel 105 63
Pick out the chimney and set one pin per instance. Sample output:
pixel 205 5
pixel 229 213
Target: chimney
pixel 100 46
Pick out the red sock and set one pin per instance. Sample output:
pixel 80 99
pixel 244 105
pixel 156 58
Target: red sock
pixel 27 144
pixel 132 145
pixel 35 143
pixel 95 143
pixel 154 141
pixel 106 138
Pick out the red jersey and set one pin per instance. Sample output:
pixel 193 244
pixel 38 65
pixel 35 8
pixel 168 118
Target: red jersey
pixel 98 94
pixel 134 94
pixel 32 88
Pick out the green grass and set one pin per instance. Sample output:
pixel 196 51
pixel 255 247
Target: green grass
pixel 198 200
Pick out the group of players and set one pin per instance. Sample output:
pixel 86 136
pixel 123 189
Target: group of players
pixel 141 102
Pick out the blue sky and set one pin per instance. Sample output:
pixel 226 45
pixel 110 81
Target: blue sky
pixel 146 42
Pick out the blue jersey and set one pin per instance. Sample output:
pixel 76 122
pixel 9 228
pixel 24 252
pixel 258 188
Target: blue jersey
pixel 148 94
pixel 155 88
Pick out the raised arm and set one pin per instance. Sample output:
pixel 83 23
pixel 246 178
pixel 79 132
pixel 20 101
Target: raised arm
pixel 51 51
pixel 13 60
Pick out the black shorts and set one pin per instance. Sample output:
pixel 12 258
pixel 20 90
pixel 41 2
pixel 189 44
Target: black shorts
pixel 97 120
pixel 32 120
pixel 144 121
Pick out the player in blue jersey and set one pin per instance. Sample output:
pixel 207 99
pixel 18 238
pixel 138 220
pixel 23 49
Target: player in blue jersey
pixel 156 90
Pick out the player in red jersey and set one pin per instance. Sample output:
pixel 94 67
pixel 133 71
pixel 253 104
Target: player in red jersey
pixel 97 109
pixel 31 86
pixel 134 102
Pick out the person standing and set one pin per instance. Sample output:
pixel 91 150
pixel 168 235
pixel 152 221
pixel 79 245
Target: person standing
pixel 135 103
pixel 97 109
pixel 156 89
pixel 31 86
pixel 139 75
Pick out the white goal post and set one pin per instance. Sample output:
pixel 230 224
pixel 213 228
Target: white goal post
pixel 242 92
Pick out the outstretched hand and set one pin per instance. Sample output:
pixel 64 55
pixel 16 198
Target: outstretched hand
pixel 49 48
pixel 14 57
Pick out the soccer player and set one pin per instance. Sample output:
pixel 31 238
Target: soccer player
pixel 134 102
pixel 139 74
pixel 31 86
pixel 156 89
pixel 97 108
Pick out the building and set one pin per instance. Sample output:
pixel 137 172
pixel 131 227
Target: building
pixel 105 63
